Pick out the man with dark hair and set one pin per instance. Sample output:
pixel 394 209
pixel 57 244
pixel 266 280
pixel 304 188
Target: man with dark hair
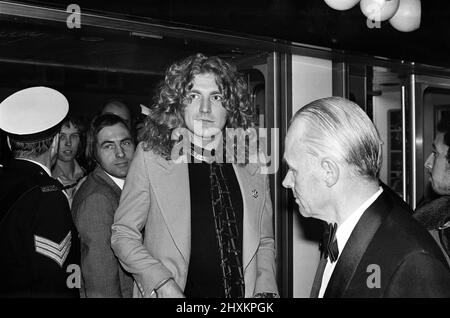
pixel 67 169
pixel 197 227
pixel 435 214
pixel 111 147
pixel 37 236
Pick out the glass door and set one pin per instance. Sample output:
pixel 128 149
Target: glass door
pixel 383 92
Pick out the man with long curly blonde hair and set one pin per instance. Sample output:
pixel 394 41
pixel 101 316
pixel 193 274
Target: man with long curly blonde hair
pixel 201 226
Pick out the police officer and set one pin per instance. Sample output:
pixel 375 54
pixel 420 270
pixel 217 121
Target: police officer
pixel 38 240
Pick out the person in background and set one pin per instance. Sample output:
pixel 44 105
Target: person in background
pixel 67 169
pixel 197 227
pixel 37 235
pixel 140 122
pixel 372 246
pixel 110 146
pixel 434 215
pixel 118 108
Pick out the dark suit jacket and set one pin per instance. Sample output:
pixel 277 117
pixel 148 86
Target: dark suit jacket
pixel 93 211
pixel 389 242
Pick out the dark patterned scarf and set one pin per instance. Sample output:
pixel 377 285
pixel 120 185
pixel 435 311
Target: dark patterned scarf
pixel 227 234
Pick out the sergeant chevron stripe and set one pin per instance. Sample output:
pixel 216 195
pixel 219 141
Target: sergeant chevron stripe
pixel 55 251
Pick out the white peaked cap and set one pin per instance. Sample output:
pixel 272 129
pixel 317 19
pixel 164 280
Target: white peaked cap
pixel 33 114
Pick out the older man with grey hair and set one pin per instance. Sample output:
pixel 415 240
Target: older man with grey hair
pixel 372 247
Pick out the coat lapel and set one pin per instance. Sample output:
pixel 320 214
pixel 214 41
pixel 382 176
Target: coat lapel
pixel 175 204
pixel 253 197
pixel 173 197
pixel 356 246
pixel 101 174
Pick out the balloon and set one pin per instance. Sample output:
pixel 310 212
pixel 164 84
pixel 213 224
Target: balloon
pixel 341 4
pixel 379 10
pixel 407 17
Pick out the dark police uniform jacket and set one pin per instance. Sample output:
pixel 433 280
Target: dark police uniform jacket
pixel 38 239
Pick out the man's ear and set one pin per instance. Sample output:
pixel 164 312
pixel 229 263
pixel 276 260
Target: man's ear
pixel 330 170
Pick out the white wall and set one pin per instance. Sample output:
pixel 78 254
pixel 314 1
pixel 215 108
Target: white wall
pixel 311 79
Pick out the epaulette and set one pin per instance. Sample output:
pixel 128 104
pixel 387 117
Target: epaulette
pixel 49 188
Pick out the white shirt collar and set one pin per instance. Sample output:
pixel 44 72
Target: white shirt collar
pixel 120 182
pixel 39 164
pixel 344 230
pixel 343 233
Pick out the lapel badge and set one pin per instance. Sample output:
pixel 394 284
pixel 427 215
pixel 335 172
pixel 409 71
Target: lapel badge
pixel 255 193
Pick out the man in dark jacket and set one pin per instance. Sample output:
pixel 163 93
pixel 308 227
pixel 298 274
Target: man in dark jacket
pixel 435 214
pixel 373 247
pixel 37 236
pixel 110 145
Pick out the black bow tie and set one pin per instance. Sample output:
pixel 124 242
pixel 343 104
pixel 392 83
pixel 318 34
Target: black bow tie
pixel 329 247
